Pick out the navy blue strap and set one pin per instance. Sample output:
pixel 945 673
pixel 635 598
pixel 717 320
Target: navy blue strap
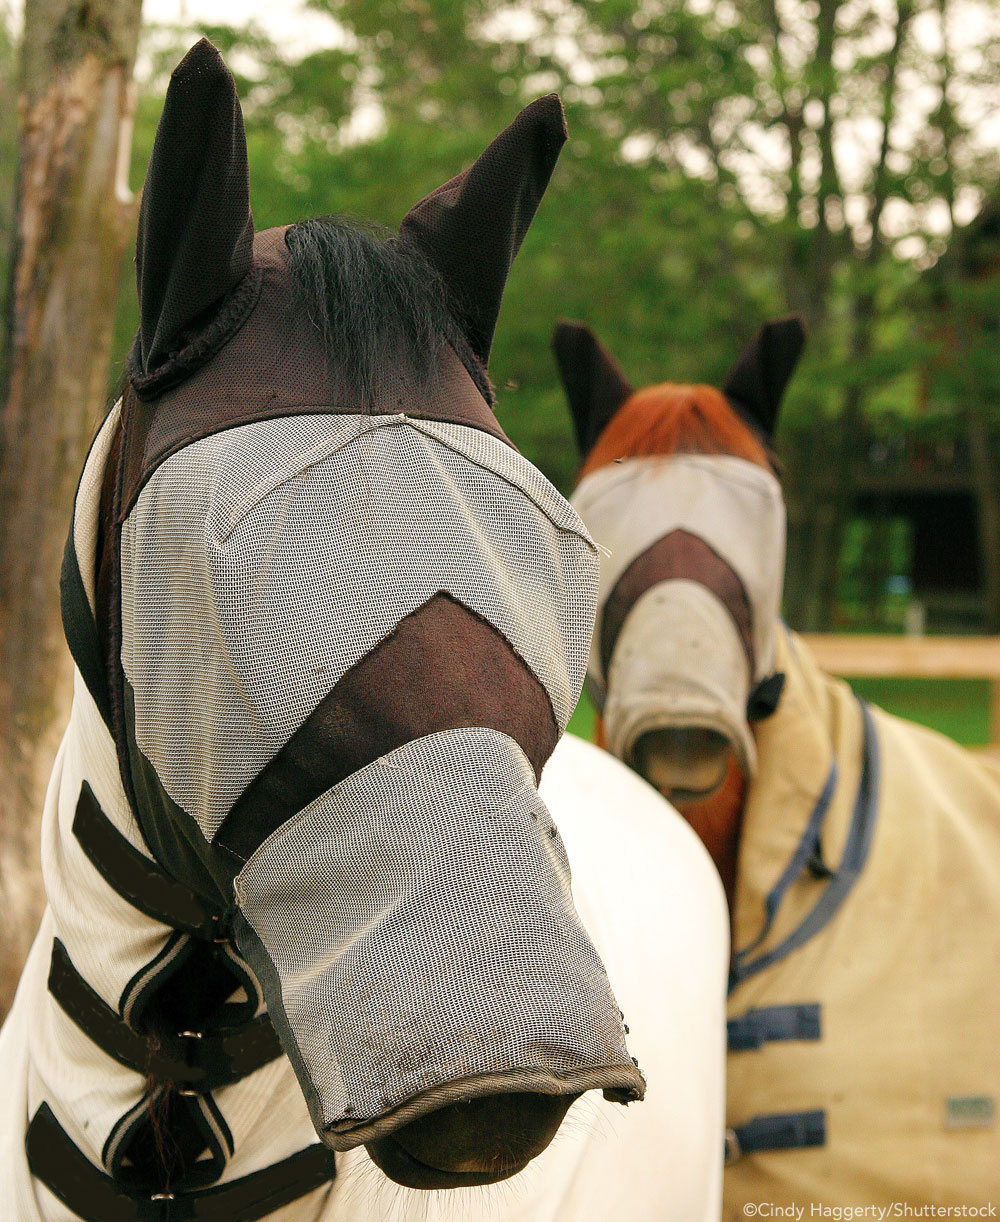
pixel 780 1131
pixel 841 880
pixel 769 1023
pixel 80 629
pixel 799 859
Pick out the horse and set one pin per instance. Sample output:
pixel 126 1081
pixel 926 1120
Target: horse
pixel 860 854
pixel 311 949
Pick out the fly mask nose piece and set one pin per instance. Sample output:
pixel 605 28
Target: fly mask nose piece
pixel 689 597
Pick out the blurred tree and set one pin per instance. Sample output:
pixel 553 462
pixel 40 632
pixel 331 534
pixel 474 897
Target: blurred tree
pixel 72 216
pixel 8 159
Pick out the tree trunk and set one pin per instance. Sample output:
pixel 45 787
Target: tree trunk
pixel 73 217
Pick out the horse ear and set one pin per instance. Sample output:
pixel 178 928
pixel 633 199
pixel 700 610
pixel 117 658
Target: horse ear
pixel 472 227
pixel 594 383
pixel 195 239
pixel 757 381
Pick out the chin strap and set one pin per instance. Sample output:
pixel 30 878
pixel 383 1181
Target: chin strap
pixel 764 698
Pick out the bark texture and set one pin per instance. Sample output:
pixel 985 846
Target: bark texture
pixel 72 220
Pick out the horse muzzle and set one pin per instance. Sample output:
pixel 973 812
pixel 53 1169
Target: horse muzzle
pixel 678 686
pixel 478 1141
pixel 441 1000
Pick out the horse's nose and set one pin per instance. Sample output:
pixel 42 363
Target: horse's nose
pixel 478 1141
pixel 685 763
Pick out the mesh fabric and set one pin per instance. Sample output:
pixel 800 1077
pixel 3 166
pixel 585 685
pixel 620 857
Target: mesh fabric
pixel 732 505
pixel 261 563
pixel 420 919
pixel 412 927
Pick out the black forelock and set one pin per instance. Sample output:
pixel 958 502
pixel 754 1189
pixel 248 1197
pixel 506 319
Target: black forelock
pixel 378 304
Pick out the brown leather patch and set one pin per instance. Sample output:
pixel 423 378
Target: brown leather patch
pixel 441 668
pixel 679 555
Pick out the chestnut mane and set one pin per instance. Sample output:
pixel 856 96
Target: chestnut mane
pixel 669 418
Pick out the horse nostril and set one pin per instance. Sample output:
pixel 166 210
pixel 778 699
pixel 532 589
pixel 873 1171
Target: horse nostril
pixel 495 1134
pixel 685 763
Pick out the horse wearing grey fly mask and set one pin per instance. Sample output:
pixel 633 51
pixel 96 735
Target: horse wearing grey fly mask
pixel 328 626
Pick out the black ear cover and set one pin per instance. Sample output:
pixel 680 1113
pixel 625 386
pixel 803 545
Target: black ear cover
pixel 594 383
pixel 472 227
pixel 757 381
pixel 195 238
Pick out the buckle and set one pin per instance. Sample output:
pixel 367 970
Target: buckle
pixel 218 930
pixel 733 1150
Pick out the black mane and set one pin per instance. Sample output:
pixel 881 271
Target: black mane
pixel 378 305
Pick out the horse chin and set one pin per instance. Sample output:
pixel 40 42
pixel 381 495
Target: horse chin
pixel 405 1169
pixel 479 1141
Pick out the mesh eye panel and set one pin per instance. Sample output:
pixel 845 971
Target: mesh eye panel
pixel 734 506
pixel 421 924
pixel 260 564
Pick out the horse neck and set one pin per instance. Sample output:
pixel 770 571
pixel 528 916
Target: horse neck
pixel 718 821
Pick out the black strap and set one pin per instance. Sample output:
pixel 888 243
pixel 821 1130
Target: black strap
pixel 94 1196
pixel 841 880
pixel 204 1061
pixel 136 877
pixel 80 628
pixel 765 697
pixel 780 1131
pixel 770 1023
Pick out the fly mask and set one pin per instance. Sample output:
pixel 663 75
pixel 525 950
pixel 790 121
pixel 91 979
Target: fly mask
pixel 690 587
pixel 351 622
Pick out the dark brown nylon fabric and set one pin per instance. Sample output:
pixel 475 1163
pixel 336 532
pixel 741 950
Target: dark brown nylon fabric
pixel 443 667
pixel 757 381
pixel 274 366
pixel 679 555
pixel 195 238
pixel 593 380
pixel 472 226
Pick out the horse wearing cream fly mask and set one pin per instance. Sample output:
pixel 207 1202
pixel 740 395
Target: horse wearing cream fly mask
pixel 328 628
pixel 860 853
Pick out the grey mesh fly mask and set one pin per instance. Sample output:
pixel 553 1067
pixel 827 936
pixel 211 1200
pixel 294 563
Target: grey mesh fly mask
pixel 342 634
pixel 692 574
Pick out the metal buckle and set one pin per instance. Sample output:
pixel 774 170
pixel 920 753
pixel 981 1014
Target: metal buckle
pixel 733 1151
pixel 187 1049
pixel 163 1196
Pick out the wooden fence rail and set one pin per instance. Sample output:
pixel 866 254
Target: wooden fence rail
pixel 914 657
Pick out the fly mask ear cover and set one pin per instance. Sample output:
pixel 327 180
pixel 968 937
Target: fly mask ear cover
pixel 667 651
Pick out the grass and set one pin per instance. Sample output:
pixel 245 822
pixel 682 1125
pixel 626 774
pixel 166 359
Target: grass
pixel 959 708
pixel 582 722
pixel 956 707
